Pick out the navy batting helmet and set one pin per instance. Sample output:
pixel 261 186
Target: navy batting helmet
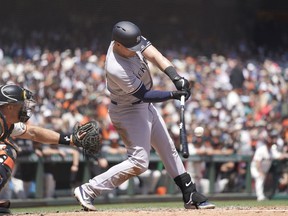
pixel 129 35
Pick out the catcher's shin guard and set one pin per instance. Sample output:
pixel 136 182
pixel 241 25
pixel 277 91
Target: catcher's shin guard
pixel 4 204
pixel 188 189
pixel 4 176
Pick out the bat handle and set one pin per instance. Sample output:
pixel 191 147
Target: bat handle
pixel 182 100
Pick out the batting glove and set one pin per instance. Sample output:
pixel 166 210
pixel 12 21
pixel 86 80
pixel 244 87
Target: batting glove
pixel 177 94
pixel 181 83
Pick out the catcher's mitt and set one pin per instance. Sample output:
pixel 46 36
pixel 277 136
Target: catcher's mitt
pixel 87 136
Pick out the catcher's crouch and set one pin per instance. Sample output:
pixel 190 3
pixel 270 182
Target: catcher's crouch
pixel 16 106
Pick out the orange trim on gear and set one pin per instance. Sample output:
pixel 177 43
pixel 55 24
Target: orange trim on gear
pixel 8 161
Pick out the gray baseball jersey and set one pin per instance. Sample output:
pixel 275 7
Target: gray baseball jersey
pixel 125 76
pixel 139 125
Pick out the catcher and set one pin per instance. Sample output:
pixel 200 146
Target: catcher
pixel 16 107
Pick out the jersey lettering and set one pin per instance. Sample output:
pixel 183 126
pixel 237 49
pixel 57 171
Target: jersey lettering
pixel 141 72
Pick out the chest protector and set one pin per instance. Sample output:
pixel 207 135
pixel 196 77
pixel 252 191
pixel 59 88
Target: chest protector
pixel 8 149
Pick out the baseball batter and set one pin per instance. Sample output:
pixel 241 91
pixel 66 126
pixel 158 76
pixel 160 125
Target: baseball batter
pixel 136 119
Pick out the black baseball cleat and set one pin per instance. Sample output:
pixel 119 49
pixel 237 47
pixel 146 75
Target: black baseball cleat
pixel 84 199
pixel 4 207
pixel 4 211
pixel 202 205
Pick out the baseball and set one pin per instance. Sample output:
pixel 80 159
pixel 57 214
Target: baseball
pixel 198 131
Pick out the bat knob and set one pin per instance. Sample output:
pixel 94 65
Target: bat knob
pixel 185 155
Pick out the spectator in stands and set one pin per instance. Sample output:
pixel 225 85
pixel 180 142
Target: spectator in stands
pixel 223 169
pixel 283 180
pixel 262 160
pixel 114 145
pixel 197 168
pixel 236 76
pixel 63 152
pixel 148 181
pixel 24 174
pixel 99 165
pixel 72 117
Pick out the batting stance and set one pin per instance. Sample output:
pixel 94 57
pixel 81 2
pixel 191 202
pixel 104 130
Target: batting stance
pixel 16 107
pixel 137 120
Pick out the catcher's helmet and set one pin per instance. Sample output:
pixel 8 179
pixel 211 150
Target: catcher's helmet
pixel 129 35
pixel 12 94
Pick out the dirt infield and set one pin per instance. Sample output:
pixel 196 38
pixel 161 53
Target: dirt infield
pixel 233 211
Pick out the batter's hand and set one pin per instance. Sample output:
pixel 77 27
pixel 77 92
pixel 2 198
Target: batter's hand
pixel 181 83
pixel 177 94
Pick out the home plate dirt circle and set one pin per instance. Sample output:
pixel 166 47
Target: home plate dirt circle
pixel 233 211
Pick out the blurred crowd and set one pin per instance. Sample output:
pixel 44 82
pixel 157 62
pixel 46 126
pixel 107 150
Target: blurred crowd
pixel 237 97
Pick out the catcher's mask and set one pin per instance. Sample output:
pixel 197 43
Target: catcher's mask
pixel 14 94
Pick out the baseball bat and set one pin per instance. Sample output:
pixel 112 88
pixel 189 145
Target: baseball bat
pixel 182 127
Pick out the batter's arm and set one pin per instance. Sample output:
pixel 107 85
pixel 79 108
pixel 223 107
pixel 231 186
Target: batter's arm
pixel 155 96
pixel 153 55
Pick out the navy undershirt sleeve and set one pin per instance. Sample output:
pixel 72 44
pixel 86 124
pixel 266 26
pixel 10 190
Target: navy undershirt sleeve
pixel 152 96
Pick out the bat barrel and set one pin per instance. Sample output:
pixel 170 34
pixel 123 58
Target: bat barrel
pixel 183 135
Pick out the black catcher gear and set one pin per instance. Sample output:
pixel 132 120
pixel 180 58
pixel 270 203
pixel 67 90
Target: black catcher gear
pixel 87 136
pixel 14 94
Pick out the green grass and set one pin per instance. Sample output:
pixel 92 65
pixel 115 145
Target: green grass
pixel 146 206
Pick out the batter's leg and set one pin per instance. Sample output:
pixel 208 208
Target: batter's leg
pixel 115 176
pixel 165 147
pixel 163 144
pixel 134 129
pixel 109 180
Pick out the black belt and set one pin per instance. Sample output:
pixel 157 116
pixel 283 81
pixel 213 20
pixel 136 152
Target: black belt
pixel 137 102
